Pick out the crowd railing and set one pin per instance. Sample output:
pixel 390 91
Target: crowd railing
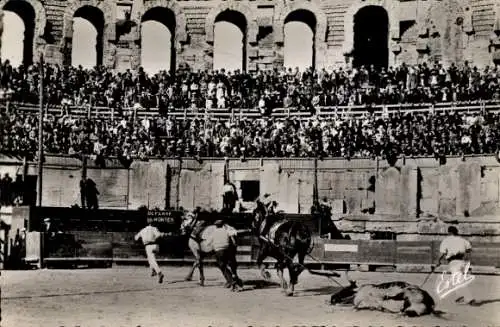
pixel 356 111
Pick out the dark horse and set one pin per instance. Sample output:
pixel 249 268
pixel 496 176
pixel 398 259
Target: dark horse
pixel 282 240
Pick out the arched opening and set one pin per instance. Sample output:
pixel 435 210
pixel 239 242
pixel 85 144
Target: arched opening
pixel 157 40
pixel 371 37
pixel 230 41
pixel 299 46
pixel 18 33
pixel 88 28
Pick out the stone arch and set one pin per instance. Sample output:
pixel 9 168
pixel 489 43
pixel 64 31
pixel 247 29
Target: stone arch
pixel 285 9
pixel 181 35
pixel 389 5
pixel 109 30
pixel 252 27
pixel 105 6
pixel 40 24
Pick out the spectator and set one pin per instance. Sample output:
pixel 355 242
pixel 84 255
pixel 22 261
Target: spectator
pixel 6 195
pixel 128 138
pixel 91 193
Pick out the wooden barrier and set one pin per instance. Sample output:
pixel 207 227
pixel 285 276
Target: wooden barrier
pixel 108 235
pixel 120 246
pixel 419 253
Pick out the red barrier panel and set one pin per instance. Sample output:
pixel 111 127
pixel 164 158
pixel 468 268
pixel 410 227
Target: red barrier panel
pixel 485 254
pixel 94 244
pixel 377 252
pixel 414 252
pixel 341 251
pixel 85 245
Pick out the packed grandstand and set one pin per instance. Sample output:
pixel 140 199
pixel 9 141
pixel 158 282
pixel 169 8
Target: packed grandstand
pixel 409 133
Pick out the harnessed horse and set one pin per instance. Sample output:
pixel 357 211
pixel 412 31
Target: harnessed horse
pixel 282 240
pixel 198 244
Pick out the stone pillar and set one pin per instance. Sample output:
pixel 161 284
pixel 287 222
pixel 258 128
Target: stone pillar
pixel 409 189
pixel 388 192
pixel 1 27
pixel 468 188
pixel 495 42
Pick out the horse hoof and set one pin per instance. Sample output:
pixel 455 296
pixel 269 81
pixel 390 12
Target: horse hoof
pixel 289 293
pixel 188 279
pixel 202 283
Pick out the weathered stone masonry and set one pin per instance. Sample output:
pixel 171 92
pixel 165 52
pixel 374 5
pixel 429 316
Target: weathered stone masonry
pixel 419 30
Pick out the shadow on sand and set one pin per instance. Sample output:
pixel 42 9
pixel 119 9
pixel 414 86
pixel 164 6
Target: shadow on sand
pixel 256 284
pixel 479 303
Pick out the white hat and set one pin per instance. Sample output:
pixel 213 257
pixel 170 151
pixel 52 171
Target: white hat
pixel 46 219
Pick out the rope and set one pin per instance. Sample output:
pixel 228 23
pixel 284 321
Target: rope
pixel 428 276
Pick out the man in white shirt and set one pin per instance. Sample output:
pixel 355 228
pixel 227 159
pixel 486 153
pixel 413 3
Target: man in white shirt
pixel 150 235
pixel 456 250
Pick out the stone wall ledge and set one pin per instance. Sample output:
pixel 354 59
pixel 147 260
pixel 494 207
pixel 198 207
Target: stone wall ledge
pixel 392 218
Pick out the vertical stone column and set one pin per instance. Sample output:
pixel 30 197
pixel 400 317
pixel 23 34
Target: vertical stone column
pixel 1 27
pixel 388 192
pixel 409 189
pixel 495 42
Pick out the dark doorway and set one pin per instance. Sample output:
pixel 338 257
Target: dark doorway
pixel 250 190
pixel 371 37
pixel 26 12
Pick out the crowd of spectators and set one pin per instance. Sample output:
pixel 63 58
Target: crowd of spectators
pixel 409 134
pixel 290 88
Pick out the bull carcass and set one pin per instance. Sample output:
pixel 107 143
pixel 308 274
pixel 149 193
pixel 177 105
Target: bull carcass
pixel 395 297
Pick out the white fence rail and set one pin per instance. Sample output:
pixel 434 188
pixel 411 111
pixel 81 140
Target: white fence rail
pixel 279 113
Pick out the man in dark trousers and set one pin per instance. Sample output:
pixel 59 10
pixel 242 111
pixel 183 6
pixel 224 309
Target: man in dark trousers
pixel 83 195
pixel 223 243
pixel 91 194
pixel 6 189
pixel 229 197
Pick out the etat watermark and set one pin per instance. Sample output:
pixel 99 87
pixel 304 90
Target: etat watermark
pixel 449 283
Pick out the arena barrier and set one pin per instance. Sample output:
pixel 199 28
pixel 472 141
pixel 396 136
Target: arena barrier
pixel 88 247
pixel 107 237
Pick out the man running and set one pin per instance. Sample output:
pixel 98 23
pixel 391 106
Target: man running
pixel 456 250
pixel 150 235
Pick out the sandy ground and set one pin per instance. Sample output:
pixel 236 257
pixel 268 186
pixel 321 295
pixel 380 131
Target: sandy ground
pixel 128 296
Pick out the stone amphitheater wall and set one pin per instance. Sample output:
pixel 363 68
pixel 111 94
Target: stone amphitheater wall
pixel 415 197
pixel 444 30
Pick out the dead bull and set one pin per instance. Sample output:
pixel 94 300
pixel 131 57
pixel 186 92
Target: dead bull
pixel 394 297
